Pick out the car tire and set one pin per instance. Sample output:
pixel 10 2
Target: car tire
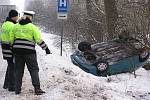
pixel 144 55
pixel 84 46
pixel 101 66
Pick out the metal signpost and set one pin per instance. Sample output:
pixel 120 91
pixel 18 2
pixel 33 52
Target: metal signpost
pixel 62 14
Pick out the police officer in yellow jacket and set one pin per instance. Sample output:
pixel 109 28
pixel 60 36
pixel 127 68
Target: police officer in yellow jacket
pixel 24 36
pixel 6 49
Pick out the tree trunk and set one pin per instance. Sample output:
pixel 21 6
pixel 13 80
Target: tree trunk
pixel 98 34
pixel 111 17
pixel 89 14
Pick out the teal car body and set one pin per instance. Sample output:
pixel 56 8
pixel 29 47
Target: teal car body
pixel 122 59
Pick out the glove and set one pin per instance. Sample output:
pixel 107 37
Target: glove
pixel 47 51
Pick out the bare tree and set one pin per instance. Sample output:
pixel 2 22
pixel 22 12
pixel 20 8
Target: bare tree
pixel 111 17
pixel 96 25
pixel 95 20
pixel 89 13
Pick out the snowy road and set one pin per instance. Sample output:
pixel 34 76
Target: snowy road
pixel 63 81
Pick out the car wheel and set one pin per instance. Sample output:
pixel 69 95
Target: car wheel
pixel 102 66
pixel 144 55
pixel 84 46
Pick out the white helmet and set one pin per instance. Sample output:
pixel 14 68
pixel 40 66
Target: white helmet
pixel 31 13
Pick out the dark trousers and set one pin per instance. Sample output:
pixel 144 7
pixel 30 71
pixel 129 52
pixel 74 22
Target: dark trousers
pixel 31 61
pixel 9 76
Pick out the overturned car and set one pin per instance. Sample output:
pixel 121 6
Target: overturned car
pixel 113 57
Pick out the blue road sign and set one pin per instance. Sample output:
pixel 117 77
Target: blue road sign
pixel 62 6
pixel 62 9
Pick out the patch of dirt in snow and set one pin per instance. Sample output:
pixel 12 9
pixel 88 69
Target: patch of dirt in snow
pixel 139 95
pixel 72 87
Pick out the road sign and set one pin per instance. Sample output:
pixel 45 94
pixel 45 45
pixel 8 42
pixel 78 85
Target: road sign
pixel 62 14
pixel 62 9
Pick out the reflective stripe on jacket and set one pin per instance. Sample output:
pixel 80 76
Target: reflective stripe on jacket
pixel 6 50
pixel 5 39
pixel 24 38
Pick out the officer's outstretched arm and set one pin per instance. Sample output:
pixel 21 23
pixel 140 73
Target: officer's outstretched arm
pixel 39 41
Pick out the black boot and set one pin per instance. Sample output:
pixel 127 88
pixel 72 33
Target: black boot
pixel 38 90
pixel 11 89
pixel 17 91
pixel 5 87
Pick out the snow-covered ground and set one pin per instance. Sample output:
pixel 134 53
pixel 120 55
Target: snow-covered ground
pixel 64 81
